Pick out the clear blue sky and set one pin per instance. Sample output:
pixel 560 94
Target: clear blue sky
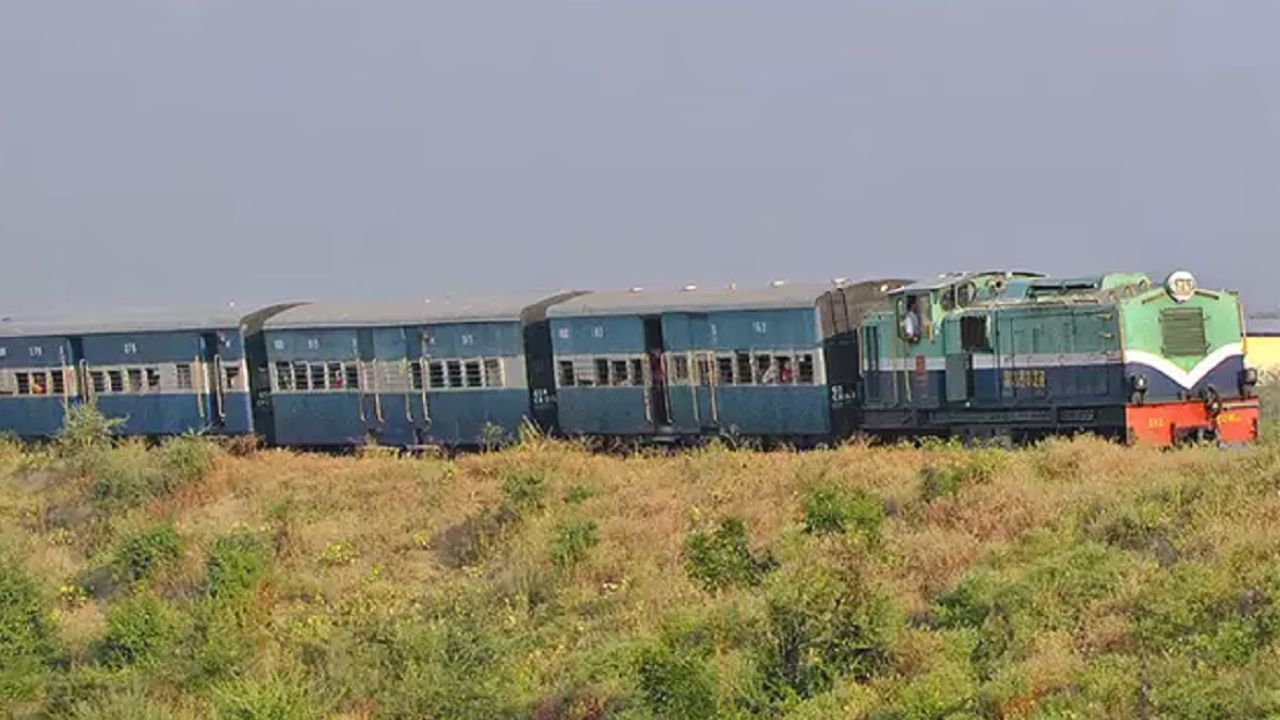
pixel 202 151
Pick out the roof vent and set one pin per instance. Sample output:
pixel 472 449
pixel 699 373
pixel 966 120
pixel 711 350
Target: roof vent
pixel 690 288
pixel 731 286
pixel 635 289
pixel 839 281
pixel 777 283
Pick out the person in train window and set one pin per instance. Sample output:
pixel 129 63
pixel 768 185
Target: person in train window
pixel 771 374
pixel 911 321
pixel 37 387
pixel 786 375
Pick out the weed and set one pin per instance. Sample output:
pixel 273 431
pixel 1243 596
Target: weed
pixel 140 629
pixel 275 696
pixel 235 564
pixel 572 541
pixel 140 555
pixel 676 682
pixel 525 489
pixel 723 558
pixel 27 632
pixel 577 495
pixel 830 509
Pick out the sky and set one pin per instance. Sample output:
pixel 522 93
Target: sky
pixel 203 152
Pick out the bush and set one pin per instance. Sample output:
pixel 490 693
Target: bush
pixel 273 697
pixel 572 541
pixel 723 558
pixel 183 460
pixel 676 683
pixel 948 477
pixel 85 437
pixel 27 633
pixel 824 621
pixel 140 629
pixel 141 555
pixel 831 509
pixel 525 489
pixel 235 564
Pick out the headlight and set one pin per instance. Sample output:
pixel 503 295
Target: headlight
pixel 1138 382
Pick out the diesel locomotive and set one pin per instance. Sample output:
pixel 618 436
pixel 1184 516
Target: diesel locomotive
pixel 1008 355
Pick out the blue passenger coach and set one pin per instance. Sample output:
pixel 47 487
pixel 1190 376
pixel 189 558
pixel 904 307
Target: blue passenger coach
pixel 159 372
pixel 446 372
pixel 695 362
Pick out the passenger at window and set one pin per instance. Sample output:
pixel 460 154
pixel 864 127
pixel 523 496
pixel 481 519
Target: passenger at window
pixel 37 387
pixel 911 321
pixel 770 376
pixel 786 375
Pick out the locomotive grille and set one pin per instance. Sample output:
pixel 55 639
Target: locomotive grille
pixel 1182 331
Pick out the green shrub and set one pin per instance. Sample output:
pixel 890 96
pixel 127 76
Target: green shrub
pixel 27 632
pixel 124 476
pixel 947 477
pixel 829 509
pixel 140 555
pixel 446 666
pixel 577 495
pixel 235 564
pixel 131 702
pixel 86 436
pixel 140 629
pixel 572 541
pixel 676 682
pixel 525 489
pixel 723 558
pixel 824 620
pixel 273 697
pixel 183 460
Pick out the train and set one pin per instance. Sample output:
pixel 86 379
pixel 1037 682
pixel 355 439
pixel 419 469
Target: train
pixel 983 356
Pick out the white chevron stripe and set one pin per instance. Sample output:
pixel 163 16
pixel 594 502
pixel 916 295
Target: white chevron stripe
pixel 1185 378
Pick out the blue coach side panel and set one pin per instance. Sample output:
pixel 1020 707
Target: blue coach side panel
pixel 160 372
pixel 689 363
pixel 451 373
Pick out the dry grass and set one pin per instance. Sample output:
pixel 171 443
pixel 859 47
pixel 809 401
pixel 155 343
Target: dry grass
pixel 357 559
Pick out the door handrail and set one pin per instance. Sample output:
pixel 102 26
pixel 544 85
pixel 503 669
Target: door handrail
pixel 360 378
pixel 408 389
pixel 219 404
pixel 426 380
pixel 87 388
pixel 377 396
pixel 197 378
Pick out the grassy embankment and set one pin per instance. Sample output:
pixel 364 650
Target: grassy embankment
pixel 1075 579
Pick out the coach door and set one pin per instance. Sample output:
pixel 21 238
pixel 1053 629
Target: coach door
pixel 370 390
pixel 689 371
pixel 212 397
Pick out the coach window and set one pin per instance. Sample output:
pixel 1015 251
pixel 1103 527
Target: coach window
pixel 724 366
pixel 24 383
pixel 454 368
pixel 602 371
pixel 353 376
pixel 742 368
pixel 493 375
pixel 415 375
pixel 334 375
pixel 57 382
pixel 183 372
pixel 153 379
pixel 973 334
pixel 766 370
pixel 475 377
pixel 805 374
pixel 301 373
pixel 317 376
pixel 567 378
pixel 116 379
pixel 99 381
pixel 680 368
pixel 435 374
pixel 134 376
pixel 619 376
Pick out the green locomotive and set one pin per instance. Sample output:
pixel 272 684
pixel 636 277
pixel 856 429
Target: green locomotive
pixel 1018 355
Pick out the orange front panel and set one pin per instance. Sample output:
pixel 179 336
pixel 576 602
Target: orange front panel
pixel 1165 424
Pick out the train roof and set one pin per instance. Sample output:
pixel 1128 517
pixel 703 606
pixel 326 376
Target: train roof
pixel 498 308
pixel 947 279
pixel 690 299
pixel 133 320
